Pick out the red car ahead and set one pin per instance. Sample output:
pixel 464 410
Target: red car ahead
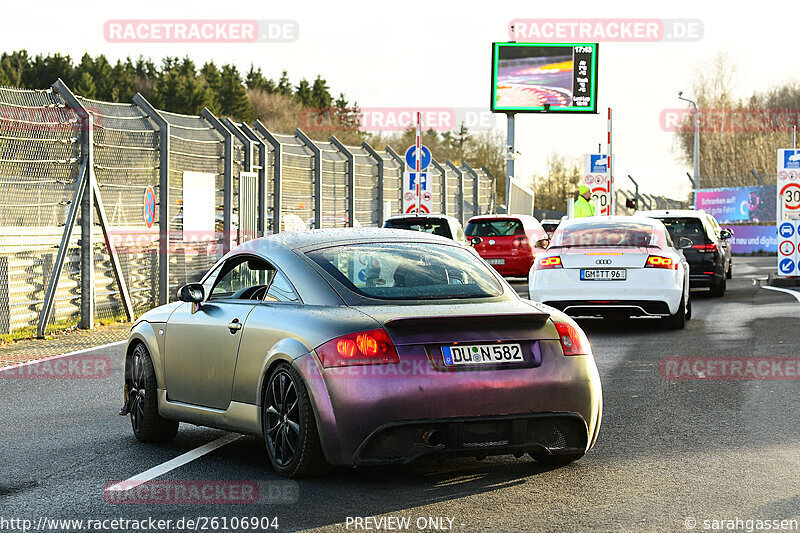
pixel 507 242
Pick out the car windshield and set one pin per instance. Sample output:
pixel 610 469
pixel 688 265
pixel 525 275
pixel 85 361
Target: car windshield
pixel 494 228
pixel 686 227
pixel 594 233
pixel 436 226
pixel 401 271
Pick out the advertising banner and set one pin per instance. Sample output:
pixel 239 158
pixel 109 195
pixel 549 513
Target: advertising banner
pixel 753 239
pixel 738 204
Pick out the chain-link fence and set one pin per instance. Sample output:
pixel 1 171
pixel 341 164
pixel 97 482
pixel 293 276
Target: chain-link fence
pixel 84 180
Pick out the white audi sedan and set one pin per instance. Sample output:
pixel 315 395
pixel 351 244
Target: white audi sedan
pixel 618 266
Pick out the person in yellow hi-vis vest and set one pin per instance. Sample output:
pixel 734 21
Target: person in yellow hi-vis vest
pixel 583 206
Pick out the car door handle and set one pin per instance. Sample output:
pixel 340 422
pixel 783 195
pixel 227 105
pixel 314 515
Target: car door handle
pixel 235 325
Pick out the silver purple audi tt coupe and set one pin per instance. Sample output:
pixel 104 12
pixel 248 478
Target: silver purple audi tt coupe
pixel 364 346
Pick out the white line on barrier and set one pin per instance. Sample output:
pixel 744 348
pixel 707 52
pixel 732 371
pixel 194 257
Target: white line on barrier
pixel 787 291
pixel 172 464
pixel 76 352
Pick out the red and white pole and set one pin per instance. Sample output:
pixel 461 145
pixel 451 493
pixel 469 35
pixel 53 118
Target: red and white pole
pixel 419 156
pixel 611 206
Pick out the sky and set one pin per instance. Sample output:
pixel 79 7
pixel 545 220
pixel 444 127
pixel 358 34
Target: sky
pixel 433 54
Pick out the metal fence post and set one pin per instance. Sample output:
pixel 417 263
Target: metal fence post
pixel 92 199
pixel 444 184
pixel 262 178
pixel 460 175
pixel 72 215
pixel 379 160
pixel 492 196
pixel 277 173
pixel 475 189
pixel 400 161
pixel 305 139
pixel 244 139
pixel 163 194
pixel 351 179
pixel 87 230
pixel 227 177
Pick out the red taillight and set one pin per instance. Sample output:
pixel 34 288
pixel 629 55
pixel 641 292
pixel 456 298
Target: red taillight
pixel 573 340
pixel 657 261
pixel 521 242
pixel 372 347
pixel 552 261
pixel 705 247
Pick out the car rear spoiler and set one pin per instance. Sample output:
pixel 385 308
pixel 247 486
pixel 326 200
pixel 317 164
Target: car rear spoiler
pixel 503 319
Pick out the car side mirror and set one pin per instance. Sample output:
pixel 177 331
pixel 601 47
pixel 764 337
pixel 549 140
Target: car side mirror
pixel 542 244
pixel 684 243
pixel 192 293
pixel 726 233
pixel 474 241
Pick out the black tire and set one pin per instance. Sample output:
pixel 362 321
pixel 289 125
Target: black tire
pixel 678 320
pixel 147 424
pixel 555 460
pixel 689 307
pixel 729 273
pixel 290 430
pixel 718 289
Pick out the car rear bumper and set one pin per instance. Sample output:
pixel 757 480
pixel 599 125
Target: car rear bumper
pixel 702 280
pixel 515 265
pixel 546 433
pixel 357 407
pixel 611 308
pixel 646 292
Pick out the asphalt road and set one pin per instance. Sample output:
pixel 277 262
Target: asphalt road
pixel 668 451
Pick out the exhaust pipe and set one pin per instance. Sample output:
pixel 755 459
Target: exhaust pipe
pixel 432 438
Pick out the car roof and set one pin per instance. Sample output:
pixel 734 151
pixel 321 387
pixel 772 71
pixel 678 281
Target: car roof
pixel 502 217
pixel 613 219
pixel 297 240
pixel 422 215
pixel 688 213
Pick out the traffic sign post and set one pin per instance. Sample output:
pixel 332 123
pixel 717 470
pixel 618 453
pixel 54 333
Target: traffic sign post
pixel 417 195
pixel 597 179
pixel 788 212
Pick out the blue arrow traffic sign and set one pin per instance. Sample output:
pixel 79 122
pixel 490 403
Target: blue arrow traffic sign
pixel 786 266
pixel 411 157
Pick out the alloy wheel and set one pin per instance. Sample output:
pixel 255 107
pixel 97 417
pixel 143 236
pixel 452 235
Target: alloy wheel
pixel 137 393
pixel 282 418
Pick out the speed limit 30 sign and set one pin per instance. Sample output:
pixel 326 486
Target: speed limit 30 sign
pixel 788 187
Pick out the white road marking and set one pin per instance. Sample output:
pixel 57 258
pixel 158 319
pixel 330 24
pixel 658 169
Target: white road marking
pixel 59 356
pixel 172 464
pixel 787 291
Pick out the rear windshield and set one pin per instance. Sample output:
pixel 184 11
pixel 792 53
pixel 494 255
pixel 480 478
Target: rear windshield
pixel 689 228
pixel 594 233
pixel 401 271
pixel 434 226
pixel 495 228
